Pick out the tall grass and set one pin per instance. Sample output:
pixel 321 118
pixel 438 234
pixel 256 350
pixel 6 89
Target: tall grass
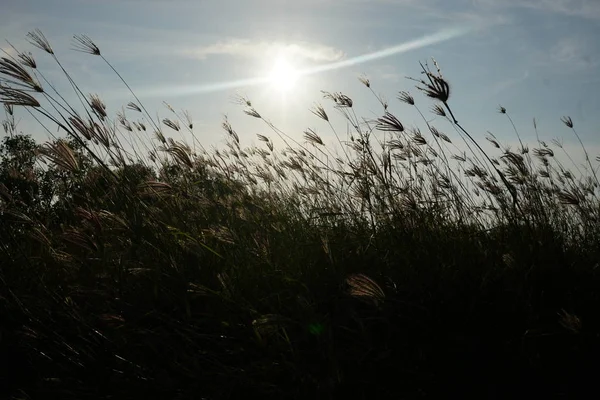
pixel 398 263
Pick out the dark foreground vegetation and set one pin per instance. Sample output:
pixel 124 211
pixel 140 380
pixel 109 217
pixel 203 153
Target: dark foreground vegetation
pixel 392 265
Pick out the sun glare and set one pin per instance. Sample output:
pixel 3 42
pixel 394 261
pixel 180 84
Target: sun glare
pixel 283 75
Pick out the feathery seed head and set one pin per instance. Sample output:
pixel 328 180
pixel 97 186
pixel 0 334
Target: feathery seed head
pixel 567 121
pixel 389 123
pixel 252 112
pixel 81 127
pixel 15 97
pixel 319 111
pixel 19 76
pixel 124 122
pixel 311 136
pixel 364 81
pixel 61 154
pixel 406 98
pixel 84 44
pixel 98 106
pixel 241 100
pixel 418 137
pixel 434 131
pixel 169 107
pixel 567 197
pixel 395 144
pixel 38 39
pixel 436 87
pixel 27 60
pixel 132 106
pixel 229 129
pixel 172 124
pixel 188 119
pixel 493 141
pixel 438 110
pixel 364 288
pixel 341 100
pixel 159 135
pixel 102 133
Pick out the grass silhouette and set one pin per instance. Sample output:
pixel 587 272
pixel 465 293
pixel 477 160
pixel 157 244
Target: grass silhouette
pixel 389 265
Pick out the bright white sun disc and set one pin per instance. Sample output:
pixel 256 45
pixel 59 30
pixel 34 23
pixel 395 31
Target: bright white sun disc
pixel 283 76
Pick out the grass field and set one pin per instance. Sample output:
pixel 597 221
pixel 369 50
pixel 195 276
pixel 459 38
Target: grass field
pixel 391 264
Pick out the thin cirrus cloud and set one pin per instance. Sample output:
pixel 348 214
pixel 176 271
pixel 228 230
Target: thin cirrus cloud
pixel 251 49
pixel 506 84
pixel 579 8
pixel 575 52
pixel 589 9
pixel 567 55
pixel 424 41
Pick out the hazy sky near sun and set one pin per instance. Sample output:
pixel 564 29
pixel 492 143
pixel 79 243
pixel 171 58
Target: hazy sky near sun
pixel 537 58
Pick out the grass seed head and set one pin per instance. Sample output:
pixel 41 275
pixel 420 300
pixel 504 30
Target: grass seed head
pixel 319 111
pixel 134 107
pixel 15 97
pixel 364 81
pixel 406 97
pixel 98 106
pixel 435 87
pixel 389 123
pixel 38 39
pixel 567 121
pixel 84 44
pixel 438 110
pixel 18 75
pixel 311 136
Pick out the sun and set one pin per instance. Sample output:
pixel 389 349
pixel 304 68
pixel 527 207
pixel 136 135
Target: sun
pixel 283 75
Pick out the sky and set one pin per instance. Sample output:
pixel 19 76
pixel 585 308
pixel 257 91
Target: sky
pixel 537 58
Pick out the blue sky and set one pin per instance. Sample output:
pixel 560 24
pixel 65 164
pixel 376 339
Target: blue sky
pixel 538 58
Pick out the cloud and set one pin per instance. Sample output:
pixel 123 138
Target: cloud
pixel 387 73
pixel 247 48
pixel 506 84
pixel 589 9
pixel 577 8
pixel 575 52
pixel 566 56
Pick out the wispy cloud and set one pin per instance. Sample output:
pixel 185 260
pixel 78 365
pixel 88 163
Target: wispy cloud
pixel 578 8
pixel 424 41
pixel 386 73
pixel 567 55
pixel 589 9
pixel 575 52
pixel 315 53
pixel 503 85
pixel 247 48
